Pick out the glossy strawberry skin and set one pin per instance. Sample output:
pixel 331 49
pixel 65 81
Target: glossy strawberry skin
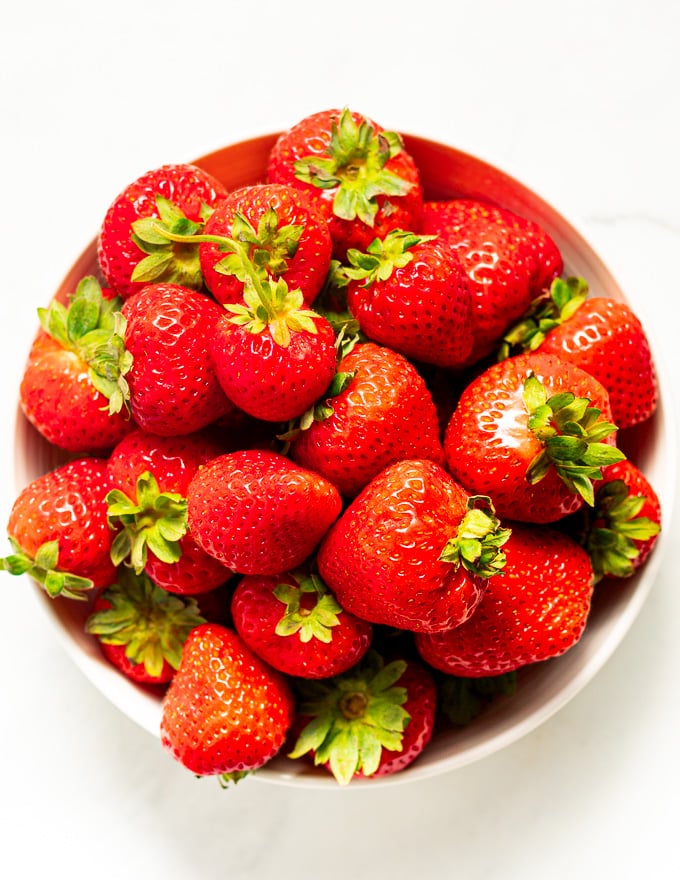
pixel 509 260
pixel 385 414
pixel 187 186
pixel 306 269
pixel 606 338
pixel 225 710
pixel 256 612
pixel 311 137
pixel 269 381
pixel 381 558
pixel 423 310
pixel 489 445
pixel 258 512
pixel 535 609
pixel 173 386
pixel 68 505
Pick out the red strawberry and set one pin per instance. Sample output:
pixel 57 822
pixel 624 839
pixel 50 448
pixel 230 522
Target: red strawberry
pixel 509 260
pixel 226 711
pixel 272 226
pixel 413 550
pixel 533 432
pixel 295 624
pixel 599 334
pixel 173 386
pixel 258 512
pixel 151 476
pixel 141 628
pixel 372 721
pixel 273 357
pixel 385 413
pixel 359 175
pixel 132 249
pixel 534 609
pixel 412 294
pixel 59 531
pixel 73 389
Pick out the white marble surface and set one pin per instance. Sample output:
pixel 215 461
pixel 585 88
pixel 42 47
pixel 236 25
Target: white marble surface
pixel 582 105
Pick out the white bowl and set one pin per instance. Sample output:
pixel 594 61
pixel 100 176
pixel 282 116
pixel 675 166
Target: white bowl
pixel 543 688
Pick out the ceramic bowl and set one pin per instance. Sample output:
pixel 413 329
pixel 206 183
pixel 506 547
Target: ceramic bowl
pixel 543 688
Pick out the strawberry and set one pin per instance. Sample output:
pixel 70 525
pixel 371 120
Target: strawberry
pixel 173 386
pixel 258 512
pixel 272 226
pixel 73 389
pixel 147 504
pixel 383 413
pixel 359 175
pixel 411 293
pixel 599 334
pixel 225 711
pixel 413 550
pixel 509 260
pixel 59 531
pixel 141 628
pixel 620 531
pixel 534 609
pixel 132 248
pixel 533 432
pixel 371 721
pixel 273 357
pixel 294 623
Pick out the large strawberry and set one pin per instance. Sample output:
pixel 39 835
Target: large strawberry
pixel 132 249
pixel 225 712
pixel 59 531
pixel 600 334
pixel 413 550
pixel 371 721
pixel 534 609
pixel 141 628
pixel 385 413
pixel 258 512
pixel 359 175
pixel 533 432
pixel 73 389
pixel 297 626
pixel 173 386
pixel 411 293
pixel 147 504
pixel 509 260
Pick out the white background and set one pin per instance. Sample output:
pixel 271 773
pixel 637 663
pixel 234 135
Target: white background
pixel 580 101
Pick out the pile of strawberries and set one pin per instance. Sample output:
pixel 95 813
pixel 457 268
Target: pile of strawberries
pixel 339 459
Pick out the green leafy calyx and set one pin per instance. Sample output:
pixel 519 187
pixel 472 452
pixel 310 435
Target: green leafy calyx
pixel 478 540
pixel 383 256
pixel 44 569
pixel 270 305
pixel 307 619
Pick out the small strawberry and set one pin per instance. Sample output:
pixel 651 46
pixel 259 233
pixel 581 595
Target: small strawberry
pixel 258 512
pixel 133 251
pixel 411 293
pixel 274 227
pixel 147 504
pixel 59 531
pixel 359 175
pixel 141 628
pixel 383 413
pixel 225 711
pixel 534 609
pixel 509 260
pixel 533 432
pixel 173 386
pixel 599 334
pixel 413 550
pixel 294 623
pixel 73 389
pixel 371 721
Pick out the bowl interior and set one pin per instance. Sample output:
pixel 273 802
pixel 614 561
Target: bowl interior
pixel 543 688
